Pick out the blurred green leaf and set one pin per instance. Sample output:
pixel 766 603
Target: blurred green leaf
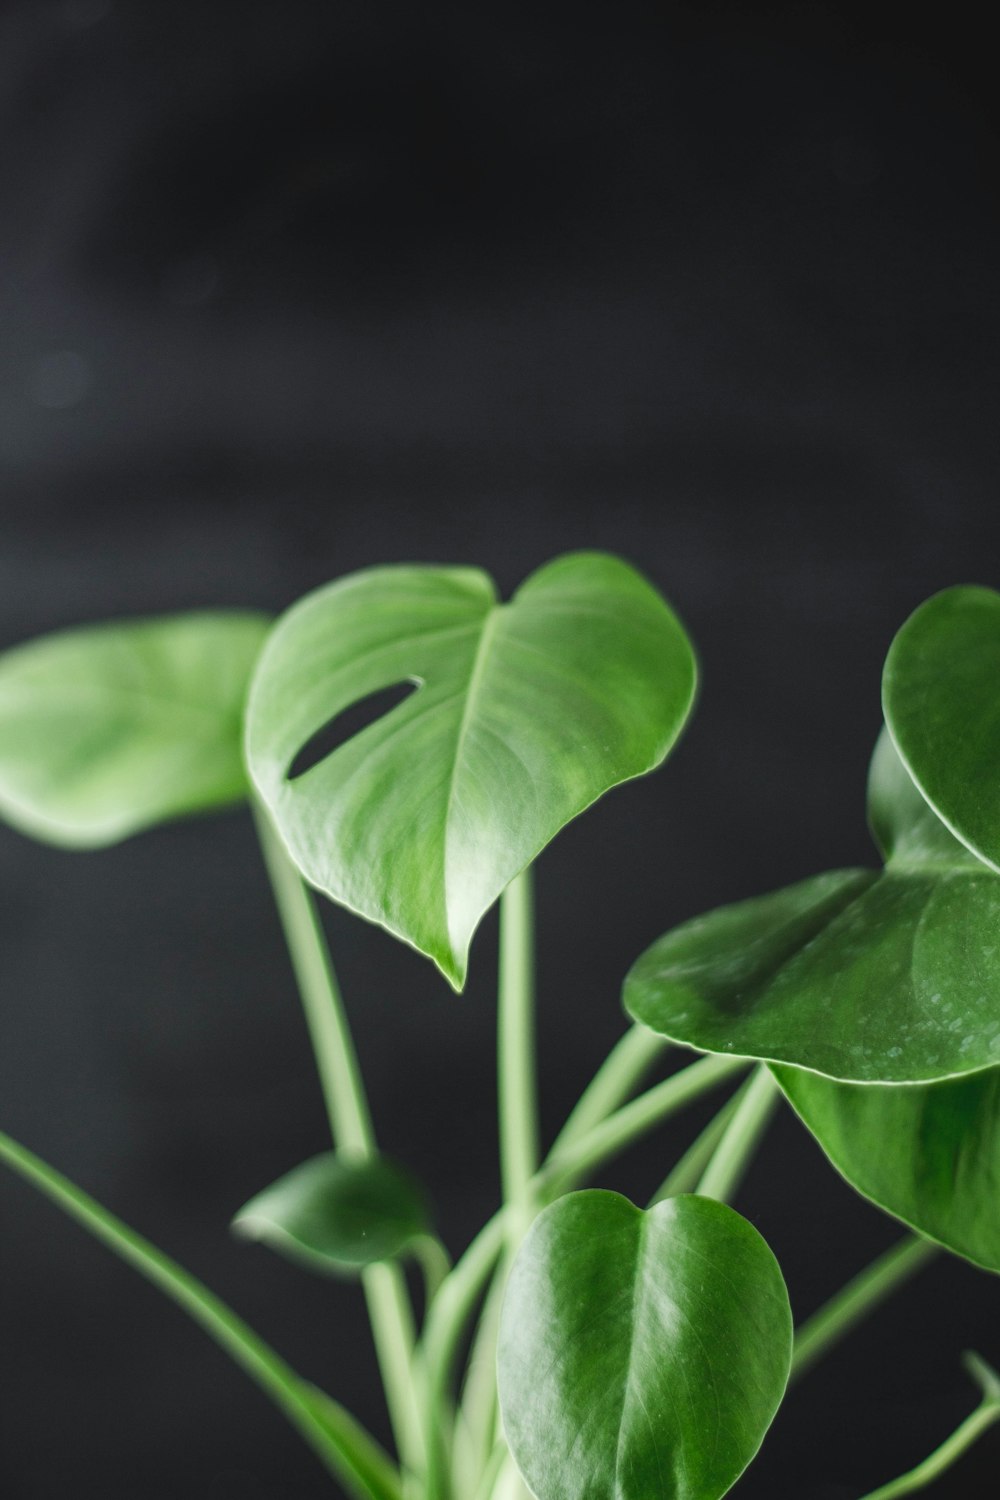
pixel 335 1214
pixel 111 728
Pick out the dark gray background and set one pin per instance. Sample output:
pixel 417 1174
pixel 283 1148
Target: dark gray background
pixel 289 290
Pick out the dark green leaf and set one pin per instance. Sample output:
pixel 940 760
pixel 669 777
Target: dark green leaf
pixel 336 1214
pixel 929 1154
pixel 641 1354
pixel 863 977
pixel 111 728
pixel 941 694
pixel 525 713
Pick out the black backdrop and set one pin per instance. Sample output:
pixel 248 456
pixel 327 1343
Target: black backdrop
pixel 290 289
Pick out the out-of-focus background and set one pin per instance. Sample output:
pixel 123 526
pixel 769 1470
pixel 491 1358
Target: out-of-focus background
pixel 287 290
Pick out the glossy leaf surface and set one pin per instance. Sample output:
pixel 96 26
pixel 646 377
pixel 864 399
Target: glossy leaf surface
pixel 525 713
pixel 111 728
pixel 640 1353
pixel 860 976
pixel 929 1154
pixel 941 694
pixel 336 1214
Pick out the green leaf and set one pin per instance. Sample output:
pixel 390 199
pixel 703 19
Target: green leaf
pixel 860 976
pixel 941 695
pixel 525 713
pixel 336 1214
pixel 641 1353
pixel 928 1154
pixel 111 728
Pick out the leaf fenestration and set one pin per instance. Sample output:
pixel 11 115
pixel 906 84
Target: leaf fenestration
pixel 524 713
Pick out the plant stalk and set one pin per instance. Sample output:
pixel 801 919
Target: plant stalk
pixel 856 1300
pixel 984 1416
pixel 352 1456
pixel 351 1127
pixel 516 1081
pixel 741 1137
pixel 619 1075
pixel 686 1173
pixel 636 1119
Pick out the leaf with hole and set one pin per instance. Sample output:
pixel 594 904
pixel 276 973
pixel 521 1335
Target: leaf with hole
pixel 927 1153
pixel 337 1214
pixel 641 1353
pixel 111 728
pixel 524 714
pixel 941 695
pixel 865 977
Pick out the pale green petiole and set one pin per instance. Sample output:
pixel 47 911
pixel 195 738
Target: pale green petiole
pixel 984 1416
pixel 686 1173
pixel 342 1445
pixel 857 1299
pixel 516 1082
pixel 622 1071
pixel 741 1137
pixel 350 1123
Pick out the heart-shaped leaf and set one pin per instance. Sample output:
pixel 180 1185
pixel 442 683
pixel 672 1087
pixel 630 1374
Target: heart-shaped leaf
pixel 640 1353
pixel 927 1153
pixel 111 728
pixel 941 694
pixel 336 1214
pixel 863 977
pixel 524 714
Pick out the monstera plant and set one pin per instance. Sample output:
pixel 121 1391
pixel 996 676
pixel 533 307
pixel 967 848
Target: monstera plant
pixel 612 1350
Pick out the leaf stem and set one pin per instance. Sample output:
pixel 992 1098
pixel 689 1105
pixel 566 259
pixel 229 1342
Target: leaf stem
pixel 329 1032
pixel 985 1414
pixel 857 1299
pixel 635 1119
pixel 741 1137
pixel 346 1457
pixel 622 1071
pixel 351 1127
pixel 516 1081
pixel 686 1173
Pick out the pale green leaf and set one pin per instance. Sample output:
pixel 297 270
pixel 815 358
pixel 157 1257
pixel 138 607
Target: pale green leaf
pixel 524 714
pixel 111 728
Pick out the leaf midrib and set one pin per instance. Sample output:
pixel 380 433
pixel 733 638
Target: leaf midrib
pixel 471 693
